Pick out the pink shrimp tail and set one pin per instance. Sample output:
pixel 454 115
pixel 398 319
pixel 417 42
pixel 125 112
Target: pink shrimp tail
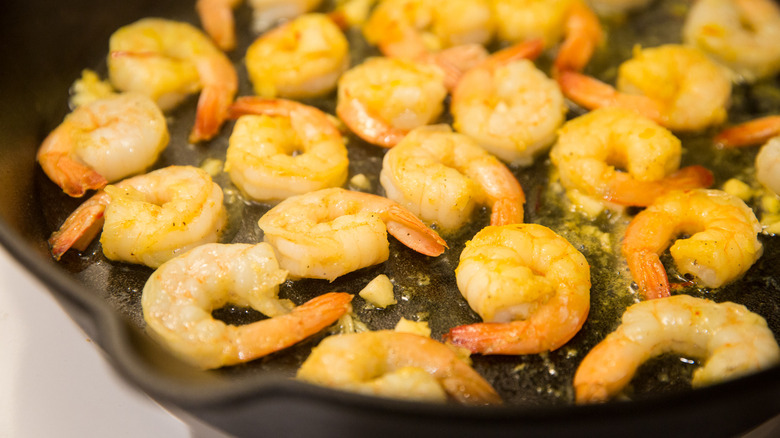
pixel 73 177
pixel 507 211
pixel 218 22
pixel 627 191
pixel 751 133
pixel 413 233
pixel 649 274
pixel 212 111
pixel 583 34
pixel 455 61
pixel 81 227
pixel 518 337
pixel 367 126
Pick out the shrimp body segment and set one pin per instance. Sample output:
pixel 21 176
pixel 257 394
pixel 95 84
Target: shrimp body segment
pixel 440 176
pixel 169 60
pixel 382 99
pixel 509 106
pixel 529 285
pixel 331 232
pixel 722 246
pixel 730 340
pixel 280 148
pixel 591 148
pixel 180 295
pixel 302 58
pixel 104 141
pixel 739 34
pixel 147 219
pixel 395 364
pixel 677 86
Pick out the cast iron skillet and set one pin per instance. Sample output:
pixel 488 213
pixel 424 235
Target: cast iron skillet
pixel 45 45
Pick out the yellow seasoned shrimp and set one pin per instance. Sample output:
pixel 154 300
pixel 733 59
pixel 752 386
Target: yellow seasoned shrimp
pixel 730 340
pixel 508 106
pixel 147 219
pixel 740 34
pixel 104 141
pixel 382 99
pixel 414 28
pixel 394 364
pixel 766 131
pixel 722 246
pixel 180 295
pixel 281 148
pixel 616 7
pixel 300 59
pixel 552 21
pixel 169 60
pixel 331 232
pixel 591 148
pixel 677 86
pixel 529 285
pixel 440 176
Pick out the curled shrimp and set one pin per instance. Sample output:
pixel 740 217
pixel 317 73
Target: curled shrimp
pixel 147 219
pixel 722 246
pixel 300 59
pixel 731 341
pixel 180 295
pixel 382 99
pixel 440 176
pixel 169 60
pixel 591 148
pixel 553 21
pixel 508 105
pixel 395 364
pixel 280 148
pixel 331 232
pixel 739 34
pixel 766 131
pixel 104 141
pixel 677 86
pixel 529 285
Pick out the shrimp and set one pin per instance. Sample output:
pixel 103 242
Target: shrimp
pixel 180 295
pixel 677 86
pixel 551 20
pixel 395 364
pixel 147 219
pixel 509 106
pixel 169 60
pixel 592 146
pixel 740 34
pixel 766 131
pixel 529 285
pixel 731 341
pixel 287 149
pixel 331 232
pixel 216 16
pixel 440 176
pixel 382 99
pixel 768 165
pixel 300 59
pixel 616 7
pixel 104 141
pixel 722 246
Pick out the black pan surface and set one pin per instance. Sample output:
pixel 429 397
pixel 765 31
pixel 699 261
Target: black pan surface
pixel 50 45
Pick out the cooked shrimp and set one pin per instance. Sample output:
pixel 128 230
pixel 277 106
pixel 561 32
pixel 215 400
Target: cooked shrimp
pixel 529 285
pixel 147 219
pixel 169 60
pixel 382 99
pixel 675 85
pixel 509 106
pixel 731 341
pixel 331 232
pixel 287 149
pixel 299 59
pixel 104 141
pixel 394 364
pixel 216 16
pixel 740 34
pixel 616 7
pixel 768 165
pixel 180 295
pixel 722 246
pixel 413 28
pixel 552 21
pixel 591 148
pixel 440 176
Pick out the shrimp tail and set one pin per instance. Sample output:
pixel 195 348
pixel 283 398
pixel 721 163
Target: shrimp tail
pixel 626 191
pixel 73 177
pixel 506 212
pixel 212 111
pixel 367 126
pixel 217 19
pixel 592 93
pixel 511 338
pixel 649 274
pixel 274 334
pixel 81 227
pixel 455 61
pixel 583 34
pixel 530 50
pixel 412 232
pixel 756 131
